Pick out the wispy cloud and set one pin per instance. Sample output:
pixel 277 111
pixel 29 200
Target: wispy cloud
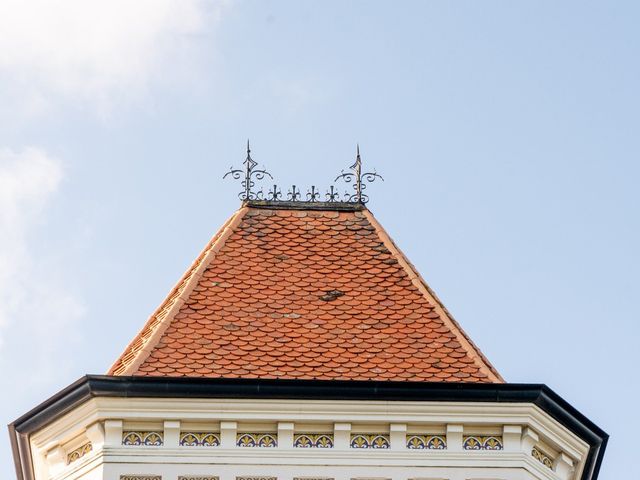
pixel 96 51
pixel 36 310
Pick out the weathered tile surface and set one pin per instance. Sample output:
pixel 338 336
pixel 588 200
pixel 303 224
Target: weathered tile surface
pixel 303 294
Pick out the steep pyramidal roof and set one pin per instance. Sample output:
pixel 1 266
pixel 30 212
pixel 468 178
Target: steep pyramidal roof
pixel 286 291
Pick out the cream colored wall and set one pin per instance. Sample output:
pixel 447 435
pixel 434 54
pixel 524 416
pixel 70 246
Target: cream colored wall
pixel 230 472
pixel 101 421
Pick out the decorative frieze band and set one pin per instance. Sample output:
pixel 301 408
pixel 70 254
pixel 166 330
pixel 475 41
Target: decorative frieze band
pixel 542 457
pixel 477 442
pixel 264 440
pixel 192 477
pixel 313 440
pixel 313 478
pixel 148 438
pixel 79 452
pixel 256 478
pixel 199 439
pixel 369 440
pixel 140 477
pixel 422 441
pixel 426 442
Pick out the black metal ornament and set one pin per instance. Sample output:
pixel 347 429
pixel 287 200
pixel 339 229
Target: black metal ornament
pixel 250 174
pixel 358 178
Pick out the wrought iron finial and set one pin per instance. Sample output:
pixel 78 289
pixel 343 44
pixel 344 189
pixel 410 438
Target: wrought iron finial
pixel 313 195
pixel 358 178
pixel 250 174
pixel 274 194
pixel 294 194
pixel 332 195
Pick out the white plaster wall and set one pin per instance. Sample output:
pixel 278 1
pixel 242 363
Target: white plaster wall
pixel 289 472
pixel 102 421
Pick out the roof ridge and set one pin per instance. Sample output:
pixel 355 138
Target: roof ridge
pixel 147 338
pixel 474 352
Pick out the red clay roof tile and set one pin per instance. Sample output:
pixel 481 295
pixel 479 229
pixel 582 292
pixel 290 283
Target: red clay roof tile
pixel 283 293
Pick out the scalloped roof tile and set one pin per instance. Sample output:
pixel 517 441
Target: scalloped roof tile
pixel 310 294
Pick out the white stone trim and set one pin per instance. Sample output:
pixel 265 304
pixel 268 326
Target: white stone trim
pixel 341 436
pixel 171 433
pixel 398 436
pixel 285 435
pixel 520 425
pixel 228 434
pixel 454 437
pixel 511 438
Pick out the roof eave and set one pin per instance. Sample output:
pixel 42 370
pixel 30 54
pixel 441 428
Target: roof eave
pixel 180 387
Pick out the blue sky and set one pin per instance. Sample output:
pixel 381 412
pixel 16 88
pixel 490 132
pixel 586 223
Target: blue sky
pixel 507 134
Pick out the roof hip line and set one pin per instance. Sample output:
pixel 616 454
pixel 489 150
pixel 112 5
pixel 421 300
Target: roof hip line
pixel 189 280
pixel 474 352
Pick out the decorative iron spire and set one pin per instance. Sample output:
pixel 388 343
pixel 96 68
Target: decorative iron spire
pixel 358 170
pixel 249 175
pixel 358 178
pixel 249 165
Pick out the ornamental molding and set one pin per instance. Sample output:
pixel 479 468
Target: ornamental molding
pixel 370 440
pixel 542 457
pixel 140 477
pixel 216 410
pixel 199 439
pixel 79 452
pixel 134 411
pixel 143 438
pixel 426 442
pixel 257 440
pixel 482 442
pixel 313 440
pixel 197 477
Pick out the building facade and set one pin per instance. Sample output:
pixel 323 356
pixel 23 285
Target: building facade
pixel 302 344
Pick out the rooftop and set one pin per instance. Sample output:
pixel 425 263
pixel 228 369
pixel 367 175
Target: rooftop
pixel 304 290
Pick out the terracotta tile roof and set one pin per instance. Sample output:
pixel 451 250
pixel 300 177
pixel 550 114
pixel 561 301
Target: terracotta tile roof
pixel 289 293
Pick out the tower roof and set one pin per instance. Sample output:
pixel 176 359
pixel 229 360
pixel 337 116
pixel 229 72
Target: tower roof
pixel 308 291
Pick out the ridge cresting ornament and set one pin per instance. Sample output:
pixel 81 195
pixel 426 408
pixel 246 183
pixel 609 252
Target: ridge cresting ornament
pixel 356 178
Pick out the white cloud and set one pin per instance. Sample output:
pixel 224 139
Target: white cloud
pixel 96 50
pixel 36 310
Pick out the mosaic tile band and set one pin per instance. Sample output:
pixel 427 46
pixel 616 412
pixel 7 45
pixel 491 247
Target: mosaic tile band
pixel 192 477
pixel 426 442
pixel 256 478
pixel 199 439
pixel 262 440
pixel 313 440
pixel 79 452
pixel 476 442
pixel 148 439
pixel 140 477
pixel 366 440
pixel 313 478
pixel 542 458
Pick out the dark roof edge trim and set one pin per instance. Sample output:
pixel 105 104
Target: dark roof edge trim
pixel 302 205
pixel 181 387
